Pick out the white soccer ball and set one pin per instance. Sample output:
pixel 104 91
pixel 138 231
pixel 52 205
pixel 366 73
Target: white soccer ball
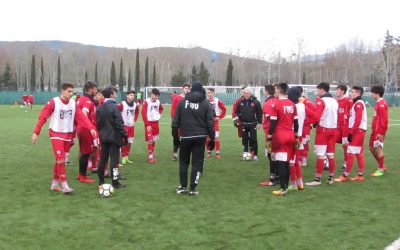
pixel 106 190
pixel 246 156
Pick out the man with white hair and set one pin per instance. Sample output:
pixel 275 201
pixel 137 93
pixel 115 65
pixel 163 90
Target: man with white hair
pixel 249 112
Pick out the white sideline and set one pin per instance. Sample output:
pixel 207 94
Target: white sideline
pixel 394 246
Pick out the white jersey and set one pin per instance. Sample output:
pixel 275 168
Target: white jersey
pixel 128 114
pixel 153 110
pixel 330 114
pixel 62 119
pixel 301 116
pixel 364 120
pixel 215 106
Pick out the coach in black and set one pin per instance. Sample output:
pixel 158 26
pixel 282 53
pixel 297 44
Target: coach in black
pixel 249 112
pixel 194 119
pixel 112 135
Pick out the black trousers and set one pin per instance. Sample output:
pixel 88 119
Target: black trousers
pixel 249 138
pixel 109 150
pixel 191 147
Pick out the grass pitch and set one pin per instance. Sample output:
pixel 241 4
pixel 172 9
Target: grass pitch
pixel 231 212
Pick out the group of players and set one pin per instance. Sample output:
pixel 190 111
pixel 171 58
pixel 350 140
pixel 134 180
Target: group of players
pixel 289 117
pixel 70 118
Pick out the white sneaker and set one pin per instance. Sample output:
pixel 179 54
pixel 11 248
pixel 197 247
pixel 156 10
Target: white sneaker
pixel 313 183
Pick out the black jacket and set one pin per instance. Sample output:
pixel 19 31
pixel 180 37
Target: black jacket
pixel 249 111
pixel 194 116
pixel 110 123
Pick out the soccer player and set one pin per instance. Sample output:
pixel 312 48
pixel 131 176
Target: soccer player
pixel 357 128
pixel 175 100
pixel 130 113
pixel 86 142
pixel 325 138
pixel 24 100
pixel 220 110
pixel 151 114
pixel 63 114
pixel 249 113
pixel 309 121
pixel 30 100
pixel 344 104
pixel 379 129
pixel 281 136
pixel 267 109
pixel 296 175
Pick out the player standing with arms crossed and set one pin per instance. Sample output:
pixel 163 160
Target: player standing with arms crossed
pixel 175 100
pixel 220 110
pixel 357 129
pixel 63 114
pixel 151 114
pixel 130 113
pixel 325 138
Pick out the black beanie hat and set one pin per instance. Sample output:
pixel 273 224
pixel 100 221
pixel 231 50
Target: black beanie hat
pixel 196 86
pixel 294 94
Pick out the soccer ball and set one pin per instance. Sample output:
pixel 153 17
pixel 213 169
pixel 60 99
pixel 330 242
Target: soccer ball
pixel 106 190
pixel 246 156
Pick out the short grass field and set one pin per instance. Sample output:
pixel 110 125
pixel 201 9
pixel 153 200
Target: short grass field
pixel 231 212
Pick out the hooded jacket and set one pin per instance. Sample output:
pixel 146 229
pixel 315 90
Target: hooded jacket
pixel 249 111
pixel 194 116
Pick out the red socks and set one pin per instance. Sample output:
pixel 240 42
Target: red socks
pixel 320 167
pixel 381 162
pixel 349 163
pixel 332 166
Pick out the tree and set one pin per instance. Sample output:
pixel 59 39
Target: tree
pixel 204 75
pixel 25 82
pixel 194 75
pixel 113 74
pixel 137 72
pixel 86 76
pixel 121 82
pixel 49 85
pixel 178 79
pixel 146 72
pixel 303 81
pixel 154 80
pixel 33 74
pixel 8 81
pixel 129 80
pixel 96 80
pixel 390 56
pixel 59 75
pixel 41 75
pixel 229 74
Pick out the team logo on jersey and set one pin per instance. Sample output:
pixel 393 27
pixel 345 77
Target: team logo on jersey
pixel 65 114
pixel 288 109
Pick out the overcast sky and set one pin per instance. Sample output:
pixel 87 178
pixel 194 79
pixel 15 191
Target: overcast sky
pixel 247 27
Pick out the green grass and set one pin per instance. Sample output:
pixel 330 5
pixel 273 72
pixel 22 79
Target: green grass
pixel 231 212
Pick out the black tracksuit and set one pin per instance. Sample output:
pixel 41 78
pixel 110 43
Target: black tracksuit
pixel 112 132
pixel 194 119
pixel 249 112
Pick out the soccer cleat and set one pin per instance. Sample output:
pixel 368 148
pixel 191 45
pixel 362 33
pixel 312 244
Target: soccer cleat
pixel 55 188
pixel 267 183
pixel 118 185
pixel 123 161
pixel 67 190
pixel 218 156
pixel 209 155
pixel 193 193
pixel 315 182
pixel 69 163
pixel 151 160
pixel 377 173
pixel 358 178
pixel 128 161
pixel 330 180
pixel 85 179
pixel 342 178
pixel 280 192
pixel 292 188
pixel 181 190
pixel 300 186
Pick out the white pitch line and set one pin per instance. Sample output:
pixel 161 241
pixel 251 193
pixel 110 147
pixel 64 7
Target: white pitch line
pixel 394 246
